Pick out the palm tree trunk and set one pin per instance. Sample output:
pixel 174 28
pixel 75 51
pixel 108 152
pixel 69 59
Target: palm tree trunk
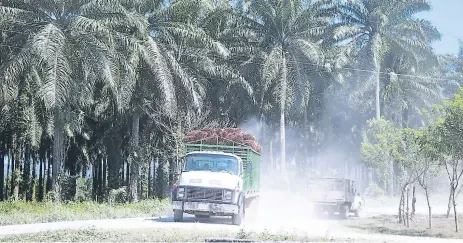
pixel 99 179
pixel 58 143
pixel 13 168
pixel 272 166
pixel 134 166
pixel 7 171
pixel 26 183
pixel 378 111
pixel 377 69
pixel 282 114
pixel 49 181
pixel 2 175
pixel 41 174
pixel 150 175
pixel 33 186
pixel 104 179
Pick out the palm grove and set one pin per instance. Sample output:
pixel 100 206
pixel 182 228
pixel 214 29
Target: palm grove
pixel 96 94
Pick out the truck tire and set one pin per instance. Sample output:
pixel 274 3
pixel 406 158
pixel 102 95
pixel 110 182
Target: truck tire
pixel 357 211
pixel 237 219
pixel 344 212
pixel 178 215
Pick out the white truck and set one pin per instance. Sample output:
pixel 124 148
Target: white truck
pixel 334 195
pixel 216 180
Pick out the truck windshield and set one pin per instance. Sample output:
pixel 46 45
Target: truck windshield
pixel 211 162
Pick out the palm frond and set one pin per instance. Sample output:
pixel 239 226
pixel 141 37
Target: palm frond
pixel 152 55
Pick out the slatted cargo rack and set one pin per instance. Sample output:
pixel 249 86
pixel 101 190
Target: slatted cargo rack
pixel 244 152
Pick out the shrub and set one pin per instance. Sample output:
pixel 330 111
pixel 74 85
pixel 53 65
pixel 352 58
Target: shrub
pixel 374 191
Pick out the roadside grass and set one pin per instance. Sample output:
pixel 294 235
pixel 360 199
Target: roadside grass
pixel 160 235
pixel 386 201
pixel 442 227
pixel 20 212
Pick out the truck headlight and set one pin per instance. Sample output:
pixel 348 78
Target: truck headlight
pixel 227 195
pixel 181 192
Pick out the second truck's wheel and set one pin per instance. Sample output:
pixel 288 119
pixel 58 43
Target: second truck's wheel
pixel 178 215
pixel 357 211
pixel 344 212
pixel 237 219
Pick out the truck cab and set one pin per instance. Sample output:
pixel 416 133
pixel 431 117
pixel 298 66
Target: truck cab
pixel 210 184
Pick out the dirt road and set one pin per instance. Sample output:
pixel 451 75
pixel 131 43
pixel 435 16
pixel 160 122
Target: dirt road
pixel 274 217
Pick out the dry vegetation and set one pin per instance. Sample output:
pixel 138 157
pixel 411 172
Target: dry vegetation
pixel 443 227
pixel 159 235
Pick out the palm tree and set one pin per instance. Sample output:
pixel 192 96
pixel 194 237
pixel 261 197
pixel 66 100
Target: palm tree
pixel 66 51
pixel 289 34
pixel 407 92
pixel 202 57
pixel 373 28
pixel 451 69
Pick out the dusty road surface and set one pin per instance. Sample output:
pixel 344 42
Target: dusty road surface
pixel 288 214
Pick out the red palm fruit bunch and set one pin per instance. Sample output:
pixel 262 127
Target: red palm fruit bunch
pixel 222 136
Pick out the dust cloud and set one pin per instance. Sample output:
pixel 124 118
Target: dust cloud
pixel 286 206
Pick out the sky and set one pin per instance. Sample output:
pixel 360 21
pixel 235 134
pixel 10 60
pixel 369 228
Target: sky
pixel 447 16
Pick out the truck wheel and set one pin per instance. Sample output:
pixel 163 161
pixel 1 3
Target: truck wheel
pixel 238 218
pixel 178 215
pixel 357 211
pixel 344 212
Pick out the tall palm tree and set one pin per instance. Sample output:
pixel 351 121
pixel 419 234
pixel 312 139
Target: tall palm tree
pixel 407 92
pixel 289 34
pixel 373 28
pixel 201 56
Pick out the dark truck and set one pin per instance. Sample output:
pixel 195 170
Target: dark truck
pixel 217 180
pixel 334 195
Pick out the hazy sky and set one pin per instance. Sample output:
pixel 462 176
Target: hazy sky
pixel 447 16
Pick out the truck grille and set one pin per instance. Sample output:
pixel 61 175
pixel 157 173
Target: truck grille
pixel 198 193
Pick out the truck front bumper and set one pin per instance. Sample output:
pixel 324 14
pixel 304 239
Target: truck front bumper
pixel 205 207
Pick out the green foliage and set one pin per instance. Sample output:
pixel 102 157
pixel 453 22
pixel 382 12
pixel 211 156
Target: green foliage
pixel 374 191
pixel 21 212
pixel 117 196
pixel 450 127
pixel 83 190
pixel 380 146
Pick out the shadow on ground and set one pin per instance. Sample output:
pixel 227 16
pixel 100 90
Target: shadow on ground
pixel 193 219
